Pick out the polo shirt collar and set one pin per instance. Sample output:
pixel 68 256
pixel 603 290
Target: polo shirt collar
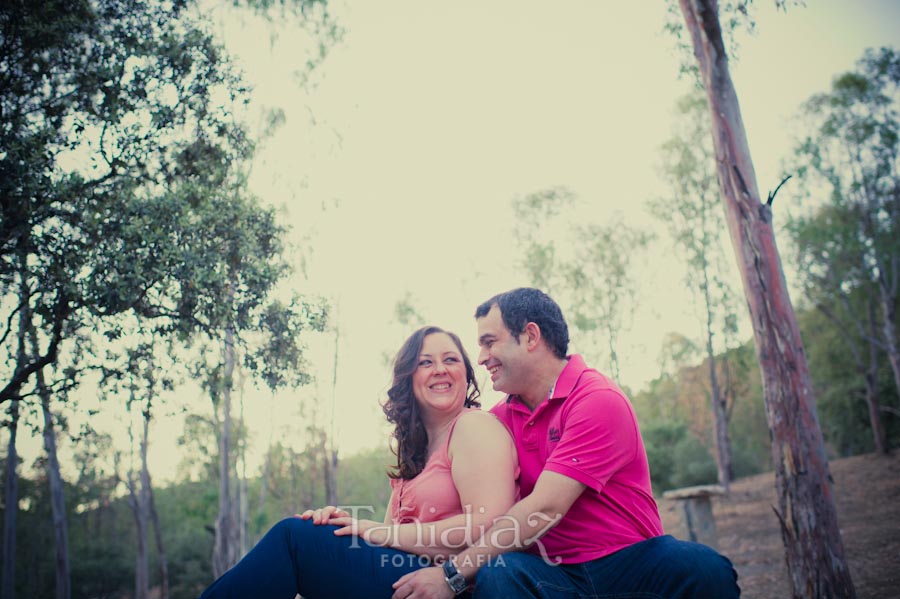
pixel 564 384
pixel 569 377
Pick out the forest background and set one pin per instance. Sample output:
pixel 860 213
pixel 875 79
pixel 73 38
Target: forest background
pixel 220 220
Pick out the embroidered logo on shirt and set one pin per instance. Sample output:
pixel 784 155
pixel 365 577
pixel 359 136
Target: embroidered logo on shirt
pixel 554 434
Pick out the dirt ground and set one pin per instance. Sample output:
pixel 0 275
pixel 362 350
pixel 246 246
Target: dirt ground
pixel 867 491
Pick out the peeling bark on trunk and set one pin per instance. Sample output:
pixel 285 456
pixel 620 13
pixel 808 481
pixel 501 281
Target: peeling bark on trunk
pixel 814 550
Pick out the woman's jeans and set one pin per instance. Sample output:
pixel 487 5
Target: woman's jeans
pixel 297 556
pixel 658 568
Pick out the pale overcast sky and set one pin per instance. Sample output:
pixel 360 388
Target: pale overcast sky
pixel 400 162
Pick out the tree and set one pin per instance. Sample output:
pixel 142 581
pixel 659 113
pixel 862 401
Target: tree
pixel 852 158
pixel 831 266
pixel 236 317
pixel 693 216
pixel 591 277
pixel 814 550
pixel 602 283
pixel 534 214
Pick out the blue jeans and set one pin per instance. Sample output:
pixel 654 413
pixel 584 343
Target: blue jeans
pixel 658 568
pixel 297 556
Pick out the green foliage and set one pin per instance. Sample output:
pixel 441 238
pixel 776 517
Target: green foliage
pixel 102 531
pixel 362 480
pixel 677 459
pixel 676 425
pixel 846 243
pixel 840 390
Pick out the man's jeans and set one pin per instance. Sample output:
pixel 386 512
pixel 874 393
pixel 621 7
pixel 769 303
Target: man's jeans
pixel 658 568
pixel 297 556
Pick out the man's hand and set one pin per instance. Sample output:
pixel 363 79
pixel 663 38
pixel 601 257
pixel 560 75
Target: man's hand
pixel 427 583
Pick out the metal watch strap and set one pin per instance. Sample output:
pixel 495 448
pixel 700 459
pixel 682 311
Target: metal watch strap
pixel 455 580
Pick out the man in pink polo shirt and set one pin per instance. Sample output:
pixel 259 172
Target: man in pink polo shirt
pixel 587 522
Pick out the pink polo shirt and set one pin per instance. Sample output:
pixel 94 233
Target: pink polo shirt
pixel 587 431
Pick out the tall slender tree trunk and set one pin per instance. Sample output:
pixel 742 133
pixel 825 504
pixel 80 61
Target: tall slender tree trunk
pixel 136 501
pixel 866 366
pixel 814 550
pixel 57 497
pixel 888 313
pixel 11 476
pixel 263 487
pixel 11 501
pixel 149 518
pixel 224 552
pixel 717 398
pixel 242 516
pixel 871 378
pixel 331 458
pixel 160 548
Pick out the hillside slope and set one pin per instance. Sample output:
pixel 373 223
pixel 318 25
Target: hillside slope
pixel 867 491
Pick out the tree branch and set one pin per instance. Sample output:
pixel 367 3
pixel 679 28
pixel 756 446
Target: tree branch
pixel 772 193
pixel 11 390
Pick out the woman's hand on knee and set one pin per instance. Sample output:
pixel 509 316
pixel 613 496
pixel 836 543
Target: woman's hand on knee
pixel 323 515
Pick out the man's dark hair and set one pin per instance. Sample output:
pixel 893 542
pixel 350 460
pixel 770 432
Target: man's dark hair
pixel 520 306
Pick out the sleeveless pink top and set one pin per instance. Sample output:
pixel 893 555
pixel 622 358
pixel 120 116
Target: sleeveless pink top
pixel 431 495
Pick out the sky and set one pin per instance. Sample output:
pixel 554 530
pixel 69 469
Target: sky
pixel 398 161
pixel 431 117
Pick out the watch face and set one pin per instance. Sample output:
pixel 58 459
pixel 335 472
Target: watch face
pixel 456 580
pixel 458 583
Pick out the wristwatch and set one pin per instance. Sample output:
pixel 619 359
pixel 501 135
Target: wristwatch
pixel 456 580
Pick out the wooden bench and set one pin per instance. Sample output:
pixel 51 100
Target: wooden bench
pixel 697 517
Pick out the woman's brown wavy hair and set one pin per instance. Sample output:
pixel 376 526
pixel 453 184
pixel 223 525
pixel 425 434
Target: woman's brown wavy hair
pixel 410 440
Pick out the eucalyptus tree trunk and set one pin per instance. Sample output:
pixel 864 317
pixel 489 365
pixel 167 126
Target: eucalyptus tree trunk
pixel 57 497
pixel 160 548
pixel 147 504
pixel 11 476
pixel 814 550
pixel 242 507
pixel 139 512
pixel 331 457
pixel 717 397
pixel 870 374
pixel 888 301
pixel 720 418
pixel 225 548
pixel 11 501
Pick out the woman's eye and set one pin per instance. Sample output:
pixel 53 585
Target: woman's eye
pixel 425 363
pixel 452 360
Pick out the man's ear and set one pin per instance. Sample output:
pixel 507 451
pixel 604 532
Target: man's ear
pixel 532 334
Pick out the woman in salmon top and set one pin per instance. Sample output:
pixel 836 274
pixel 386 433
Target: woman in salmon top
pixel 456 471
